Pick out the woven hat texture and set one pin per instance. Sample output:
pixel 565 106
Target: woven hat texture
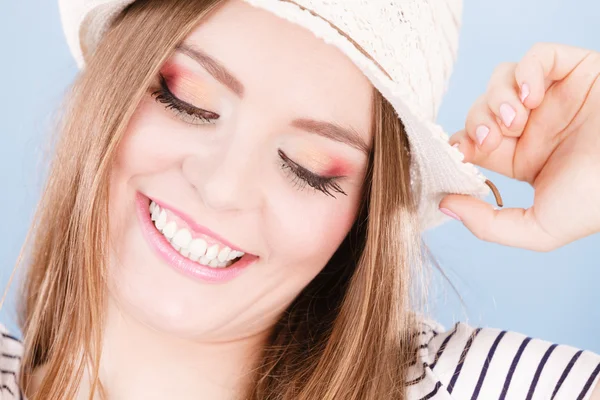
pixel 407 49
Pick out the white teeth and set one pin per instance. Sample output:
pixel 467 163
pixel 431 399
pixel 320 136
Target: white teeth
pixel 194 249
pixel 224 254
pixel 161 221
pixel 155 213
pixel 212 251
pixel 169 229
pixel 182 238
pixel 197 248
pixel 184 252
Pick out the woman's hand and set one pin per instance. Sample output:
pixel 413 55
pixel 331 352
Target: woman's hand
pixel 539 122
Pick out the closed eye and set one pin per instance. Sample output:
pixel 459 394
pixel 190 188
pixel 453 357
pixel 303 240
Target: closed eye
pixel 183 110
pixel 304 177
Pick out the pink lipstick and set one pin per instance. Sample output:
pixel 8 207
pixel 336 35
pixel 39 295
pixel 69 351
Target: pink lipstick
pixel 182 264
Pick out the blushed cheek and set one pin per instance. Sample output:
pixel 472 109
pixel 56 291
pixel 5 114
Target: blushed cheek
pixel 339 217
pixel 312 236
pixel 337 225
pixel 136 157
pixel 148 145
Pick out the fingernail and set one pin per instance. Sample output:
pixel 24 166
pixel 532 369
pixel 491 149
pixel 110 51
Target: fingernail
pixel 481 133
pixel 524 92
pixel 508 114
pixel 450 214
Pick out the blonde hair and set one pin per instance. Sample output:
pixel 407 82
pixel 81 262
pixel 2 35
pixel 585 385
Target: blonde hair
pixel 350 334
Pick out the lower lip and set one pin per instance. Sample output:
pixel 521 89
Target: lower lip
pixel 163 248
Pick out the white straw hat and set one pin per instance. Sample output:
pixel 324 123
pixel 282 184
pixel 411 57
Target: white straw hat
pixel 407 48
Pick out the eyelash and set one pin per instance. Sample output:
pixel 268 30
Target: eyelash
pixel 185 111
pixel 197 116
pixel 311 179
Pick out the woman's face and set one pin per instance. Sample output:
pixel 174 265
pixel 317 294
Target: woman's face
pixel 260 100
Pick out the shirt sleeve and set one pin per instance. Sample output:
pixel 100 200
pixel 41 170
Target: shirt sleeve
pixel 11 351
pixel 485 363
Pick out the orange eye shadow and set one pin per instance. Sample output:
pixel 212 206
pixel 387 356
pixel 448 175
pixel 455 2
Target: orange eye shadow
pixel 187 86
pixel 328 165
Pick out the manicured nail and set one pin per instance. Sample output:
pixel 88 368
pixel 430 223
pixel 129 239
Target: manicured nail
pixel 508 114
pixel 481 133
pixel 524 92
pixel 450 214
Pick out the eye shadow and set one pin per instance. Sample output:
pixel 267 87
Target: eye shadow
pixel 187 85
pixel 338 167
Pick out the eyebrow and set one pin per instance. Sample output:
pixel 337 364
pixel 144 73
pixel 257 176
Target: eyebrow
pixel 333 132
pixel 326 129
pixel 215 68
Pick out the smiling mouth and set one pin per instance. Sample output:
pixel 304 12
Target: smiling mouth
pixel 201 249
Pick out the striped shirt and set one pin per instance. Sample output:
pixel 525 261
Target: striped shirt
pixel 462 363
pixel 10 360
pixel 485 363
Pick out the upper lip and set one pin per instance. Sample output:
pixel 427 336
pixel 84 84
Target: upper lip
pixel 196 227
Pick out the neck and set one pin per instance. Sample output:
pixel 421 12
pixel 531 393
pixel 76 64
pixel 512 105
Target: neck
pixel 141 363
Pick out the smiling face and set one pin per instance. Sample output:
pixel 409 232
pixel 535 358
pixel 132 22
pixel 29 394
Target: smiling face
pixel 246 109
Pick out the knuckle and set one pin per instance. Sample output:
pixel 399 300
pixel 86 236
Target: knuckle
pixel 482 102
pixel 547 246
pixel 504 67
pixel 540 53
pixel 500 73
pixel 477 109
pixel 539 48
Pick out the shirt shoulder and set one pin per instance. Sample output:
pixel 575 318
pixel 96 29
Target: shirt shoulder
pixel 466 362
pixel 11 351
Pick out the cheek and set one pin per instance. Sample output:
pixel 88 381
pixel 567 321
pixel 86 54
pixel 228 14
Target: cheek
pixel 150 143
pixel 310 231
pixel 144 151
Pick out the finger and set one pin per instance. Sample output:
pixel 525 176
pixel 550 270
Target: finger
pixel 461 141
pixel 514 227
pixel 503 100
pixel 500 160
pixel 541 66
pixel 482 127
pixel 556 117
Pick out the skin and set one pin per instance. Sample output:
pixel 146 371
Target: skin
pixel 188 337
pixel 552 143
pixel 550 140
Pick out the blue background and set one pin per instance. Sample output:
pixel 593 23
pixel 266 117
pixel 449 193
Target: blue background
pixel 553 296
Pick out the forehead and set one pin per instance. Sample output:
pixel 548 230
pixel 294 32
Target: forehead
pixel 285 66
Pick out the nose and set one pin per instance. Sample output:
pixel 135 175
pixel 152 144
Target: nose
pixel 228 178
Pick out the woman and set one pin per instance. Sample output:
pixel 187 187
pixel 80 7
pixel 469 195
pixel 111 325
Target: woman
pixel 234 209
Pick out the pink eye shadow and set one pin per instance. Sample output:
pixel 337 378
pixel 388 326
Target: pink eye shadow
pixel 338 167
pixel 185 83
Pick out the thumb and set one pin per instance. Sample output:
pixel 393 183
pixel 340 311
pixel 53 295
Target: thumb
pixel 516 227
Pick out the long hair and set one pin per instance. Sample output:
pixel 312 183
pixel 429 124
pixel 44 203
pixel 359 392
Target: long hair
pixel 348 335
